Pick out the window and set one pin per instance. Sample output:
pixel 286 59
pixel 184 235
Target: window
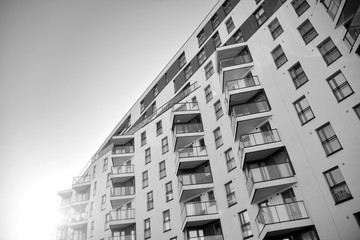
pixel 216 39
pixel 201 37
pixel 275 28
pixel 145 179
pixel 168 192
pixel 227 7
pixel 153 107
pixel 238 37
pixel 218 137
pixel 300 6
pixel 303 110
pixel 147 155
pixel 162 169
pixel 260 16
pixel 150 201
pixel 142 107
pixel 331 6
pixel 103 201
pixel 229 25
pixel 338 186
pixel 340 86
pixel 230 160
pixel 164 145
pixel 188 72
pixel 215 21
pixel 245 224
pixel 201 56
pixel 208 93
pixel 94 188
pixel 218 109
pixel 92 229
pixel 230 194
pixel 105 164
pixel 91 208
pixel 357 110
pixel 143 138
pixel 329 51
pixel 298 75
pixel 209 70
pixel 182 60
pixel 328 139
pixel 155 90
pixel 159 129
pixel 166 78
pixel 307 31
pixel 108 180
pixel 279 56
pixel 166 220
pixel 94 172
pixel 147 230
pixel 107 220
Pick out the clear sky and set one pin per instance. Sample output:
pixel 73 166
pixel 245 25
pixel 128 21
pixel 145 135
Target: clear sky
pixel 69 71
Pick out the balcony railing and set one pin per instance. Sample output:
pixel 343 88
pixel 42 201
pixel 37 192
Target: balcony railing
pixel 236 61
pixel 124 214
pixel 281 213
pixel 65 202
pixel 259 138
pixel 188 128
pixel 250 108
pixel 80 198
pixel 122 169
pixel 124 237
pixel 79 236
pixel 213 237
pixel 123 149
pixel 198 209
pixel 268 173
pixel 195 178
pixel 78 217
pixel 198 151
pixel 187 106
pixel 122 191
pixel 81 179
pixel 242 83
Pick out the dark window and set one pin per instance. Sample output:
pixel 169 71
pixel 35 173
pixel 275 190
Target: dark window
pixel 230 194
pixel 298 75
pixel 143 138
pixel 307 31
pixel 182 60
pixel 357 110
pixel 159 129
pixel 166 220
pixel 230 160
pixel 218 137
pixel 216 39
pixel 147 155
pixel 303 110
pixel 329 140
pixel 260 16
pixel 162 169
pixel 329 51
pixel 229 25
pixel 215 21
pixel 188 72
pixel 147 230
pixel 208 93
pixel 332 6
pixel 227 7
pixel 166 78
pixel 142 106
pixel 337 184
pixel 218 109
pixel 340 87
pixel 155 90
pixel 209 70
pixel 164 145
pixel 168 191
pixel 238 36
pixel 300 6
pixel 275 28
pixel 153 107
pixel 245 224
pixel 279 56
pixel 201 56
pixel 150 200
pixel 201 37
pixel 145 179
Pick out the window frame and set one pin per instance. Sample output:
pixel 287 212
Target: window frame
pixel 330 52
pixel 339 88
pixel 230 26
pixel 308 32
pixel 182 60
pixel 301 8
pixel 245 224
pixel 201 56
pixel 149 200
pixel 201 37
pixel 218 138
pixel 218 109
pixel 164 146
pixel 105 164
pixel 357 110
pixel 142 106
pixel 278 59
pixel 277 31
pixel 238 36
pixel 156 90
pixel 226 6
pixel 159 128
pixel 217 39
pixel 188 71
pixel 260 18
pixel 230 159
pixel 147 228
pixel 143 138
pixel 147 155
pixel 145 179
pixel 230 192
pixel 328 139
pixel 303 111
pixel 208 93
pixel 209 70
pixel 162 169
pixel 169 194
pixel 332 3
pixel 215 22
pixel 336 185
pixel 166 220
pixel 295 78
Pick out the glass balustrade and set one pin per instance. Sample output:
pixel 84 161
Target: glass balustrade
pixel 214 237
pixel 187 106
pixel 259 138
pixel 123 169
pixel 122 191
pixel 198 209
pixel 188 128
pixel 246 58
pixel 80 198
pixel 123 214
pixel 242 83
pixel 250 108
pixel 192 152
pixel 78 217
pixel 123 149
pixel 195 178
pixel 81 179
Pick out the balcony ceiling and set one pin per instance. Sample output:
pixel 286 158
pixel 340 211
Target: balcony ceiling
pixel 184 118
pixel 243 97
pixel 230 51
pixel 122 139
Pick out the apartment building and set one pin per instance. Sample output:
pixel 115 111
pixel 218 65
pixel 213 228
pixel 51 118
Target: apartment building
pixel 251 131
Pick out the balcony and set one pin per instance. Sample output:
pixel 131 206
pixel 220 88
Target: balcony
pixel 259 145
pixel 121 153
pixel 81 183
pixel 212 237
pixel 182 111
pixel 193 184
pixel 78 236
pixel 198 213
pixel 120 195
pixel 282 218
pixel 121 218
pixel 78 220
pixel 247 116
pixel 122 173
pixel 186 133
pixel 190 157
pixel 123 237
pixel 79 201
pixel 262 182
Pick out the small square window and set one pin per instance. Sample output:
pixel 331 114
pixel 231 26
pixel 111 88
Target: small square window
pixel 275 28
pixel 338 186
pixel 218 137
pixel 329 51
pixel 332 6
pixel 147 155
pixel 245 224
pixel 298 75
pixel 166 220
pixel 229 25
pixel 230 160
pixel 168 192
pixel 215 21
pixel 230 194
pixel 307 31
pixel 159 128
pixel 329 140
pixel 147 229
pixel 182 60
pixel 227 7
pixel 216 39
pixel 209 70
pixel 150 200
pixel 162 169
pixel 208 93
pixel 164 145
pixel 145 179
pixel 143 138
pixel 218 110
pixel 357 109
pixel 201 37
pixel 279 56
pixel 340 87
pixel 238 36
pixel 300 6
pixel 260 16
pixel 188 71
pixel 201 57
pixel 303 110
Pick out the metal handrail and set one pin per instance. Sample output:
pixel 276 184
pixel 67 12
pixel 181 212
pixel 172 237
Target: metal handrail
pixel 122 169
pixel 186 106
pixel 122 191
pixel 242 83
pixel 250 108
pixel 259 138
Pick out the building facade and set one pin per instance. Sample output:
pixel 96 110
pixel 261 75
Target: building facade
pixel 251 131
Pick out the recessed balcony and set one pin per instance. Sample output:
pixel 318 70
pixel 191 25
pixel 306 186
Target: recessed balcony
pixel 79 201
pixel 181 111
pixel 259 145
pixel 190 157
pixel 121 218
pixel 122 173
pixel 78 220
pixel 81 183
pixel 282 218
pixel 198 213
pixel 186 133
pixel 120 195
pixel 192 184
pixel 247 116
pixel 121 153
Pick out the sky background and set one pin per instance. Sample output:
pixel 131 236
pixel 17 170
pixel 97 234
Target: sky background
pixel 69 71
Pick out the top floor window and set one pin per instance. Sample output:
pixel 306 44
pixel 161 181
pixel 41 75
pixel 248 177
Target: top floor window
pixel 260 16
pixel 182 60
pixel 201 37
pixel 332 6
pixel 215 21
pixel 227 7
pixel 300 6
